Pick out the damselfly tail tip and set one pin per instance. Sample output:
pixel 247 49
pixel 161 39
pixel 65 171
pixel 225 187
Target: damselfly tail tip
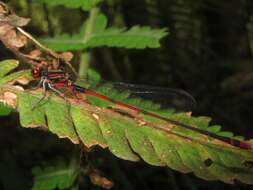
pixel 245 145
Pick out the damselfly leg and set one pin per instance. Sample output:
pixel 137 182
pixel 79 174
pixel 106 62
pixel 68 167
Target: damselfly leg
pixel 46 85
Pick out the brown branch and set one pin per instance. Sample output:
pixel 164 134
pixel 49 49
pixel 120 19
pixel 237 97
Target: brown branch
pixel 16 40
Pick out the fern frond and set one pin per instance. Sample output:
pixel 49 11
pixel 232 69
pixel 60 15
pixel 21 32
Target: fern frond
pixel 84 4
pixel 136 37
pixel 59 175
pixel 132 137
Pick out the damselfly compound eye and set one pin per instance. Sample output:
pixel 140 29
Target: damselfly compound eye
pixel 36 72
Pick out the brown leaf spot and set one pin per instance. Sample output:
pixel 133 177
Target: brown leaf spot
pixel 35 53
pixel 14 40
pixel 23 80
pixel 141 122
pixel 99 180
pixel 3 8
pixel 9 98
pixel 188 113
pixel 5 28
pixel 208 162
pixel 66 56
pixel 20 88
pixel 232 180
pixel 95 116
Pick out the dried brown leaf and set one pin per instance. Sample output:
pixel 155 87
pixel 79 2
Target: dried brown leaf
pixel 66 56
pixel 99 180
pixel 10 99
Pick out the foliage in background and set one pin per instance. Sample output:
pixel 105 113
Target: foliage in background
pixel 198 55
pixel 4 111
pixel 85 5
pixel 59 175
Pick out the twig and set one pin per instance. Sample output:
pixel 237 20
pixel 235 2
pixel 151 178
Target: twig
pixel 51 52
pixel 10 24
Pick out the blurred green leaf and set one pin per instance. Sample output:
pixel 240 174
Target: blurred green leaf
pixel 7 65
pixel 137 37
pixel 84 4
pixel 4 110
pixel 60 175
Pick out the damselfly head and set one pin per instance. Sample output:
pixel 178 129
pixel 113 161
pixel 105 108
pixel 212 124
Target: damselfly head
pixel 36 72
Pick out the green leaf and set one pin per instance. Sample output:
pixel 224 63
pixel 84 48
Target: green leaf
pixel 93 75
pixel 7 66
pixel 4 110
pixel 136 37
pixel 135 136
pixel 60 175
pixel 84 4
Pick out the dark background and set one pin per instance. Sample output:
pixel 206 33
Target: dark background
pixel 208 53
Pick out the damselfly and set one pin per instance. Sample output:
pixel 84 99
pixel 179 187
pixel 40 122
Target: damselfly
pixel 54 80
